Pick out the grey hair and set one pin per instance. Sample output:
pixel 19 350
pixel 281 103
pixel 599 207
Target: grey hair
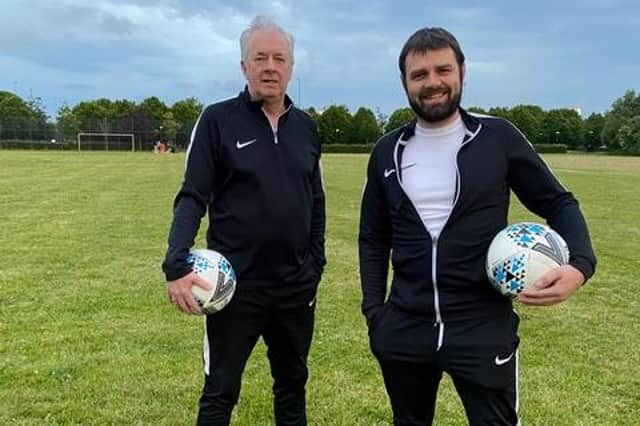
pixel 261 22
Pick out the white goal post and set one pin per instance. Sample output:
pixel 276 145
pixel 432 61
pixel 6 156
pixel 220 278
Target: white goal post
pixel 106 137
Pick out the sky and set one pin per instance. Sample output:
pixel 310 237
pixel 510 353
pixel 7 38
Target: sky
pixel 555 54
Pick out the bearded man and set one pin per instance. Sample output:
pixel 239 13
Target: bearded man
pixel 437 192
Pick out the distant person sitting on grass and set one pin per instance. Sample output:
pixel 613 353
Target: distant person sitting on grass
pixel 160 147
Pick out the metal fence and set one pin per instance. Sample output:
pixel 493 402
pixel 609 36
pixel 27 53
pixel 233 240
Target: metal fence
pixel 22 134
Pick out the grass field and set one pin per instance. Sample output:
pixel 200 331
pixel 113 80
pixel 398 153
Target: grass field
pixel 87 336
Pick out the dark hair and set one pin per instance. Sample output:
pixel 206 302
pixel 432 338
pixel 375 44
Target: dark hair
pixel 426 39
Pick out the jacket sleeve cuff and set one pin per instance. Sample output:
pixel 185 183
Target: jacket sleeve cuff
pixel 371 312
pixel 176 274
pixel 586 268
pixel 175 265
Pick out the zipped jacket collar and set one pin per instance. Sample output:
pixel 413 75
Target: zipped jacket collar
pixel 256 105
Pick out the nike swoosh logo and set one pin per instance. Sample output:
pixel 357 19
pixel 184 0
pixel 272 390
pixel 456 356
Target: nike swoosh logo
pixel 502 361
pixel 312 302
pixel 240 145
pixel 388 172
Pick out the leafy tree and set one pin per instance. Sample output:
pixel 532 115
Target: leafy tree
pixel 4 95
pixel 334 124
pixel 628 105
pixel 38 113
pixel 101 115
pixel 628 135
pixel 399 118
pixel 364 127
pixel 120 115
pixel 41 128
pixel 609 134
pixel 105 116
pixel 592 128
pixel 154 108
pixel 529 119
pixel 623 109
pixel 186 112
pixel 143 126
pixel 563 126
pixel 16 118
pixel 501 112
pixel 169 127
pixel 93 116
pixel 313 114
pixel 67 123
pixel 477 110
pixel 120 110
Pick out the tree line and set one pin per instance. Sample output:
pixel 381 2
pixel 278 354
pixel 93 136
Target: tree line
pixel 149 120
pixel 616 130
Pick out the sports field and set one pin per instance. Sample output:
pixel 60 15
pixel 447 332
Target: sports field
pixel 87 336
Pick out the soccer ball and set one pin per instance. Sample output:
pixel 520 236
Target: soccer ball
pixel 522 253
pixel 217 271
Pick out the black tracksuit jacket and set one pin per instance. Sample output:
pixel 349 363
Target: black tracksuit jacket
pixel 445 279
pixel 263 191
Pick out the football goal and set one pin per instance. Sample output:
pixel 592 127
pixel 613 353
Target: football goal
pixel 106 142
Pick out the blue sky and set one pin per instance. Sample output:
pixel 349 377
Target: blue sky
pixel 554 54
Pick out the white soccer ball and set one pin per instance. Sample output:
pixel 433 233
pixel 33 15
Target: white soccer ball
pixel 522 253
pixel 218 272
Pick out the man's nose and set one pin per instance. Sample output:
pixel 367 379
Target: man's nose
pixel 432 80
pixel 271 63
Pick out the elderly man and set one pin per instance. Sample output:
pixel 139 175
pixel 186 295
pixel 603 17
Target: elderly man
pixel 254 164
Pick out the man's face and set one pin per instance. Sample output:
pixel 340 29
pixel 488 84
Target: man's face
pixel 433 82
pixel 268 65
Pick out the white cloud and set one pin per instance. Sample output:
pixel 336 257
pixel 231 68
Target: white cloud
pixel 346 51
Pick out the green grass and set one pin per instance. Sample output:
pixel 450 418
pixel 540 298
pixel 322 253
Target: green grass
pixel 87 336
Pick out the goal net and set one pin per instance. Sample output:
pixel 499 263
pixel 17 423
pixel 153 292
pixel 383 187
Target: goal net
pixel 106 142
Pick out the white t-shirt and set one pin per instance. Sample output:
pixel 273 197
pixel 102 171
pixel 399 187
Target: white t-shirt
pixel 429 172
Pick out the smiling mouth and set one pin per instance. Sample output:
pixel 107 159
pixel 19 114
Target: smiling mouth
pixel 435 97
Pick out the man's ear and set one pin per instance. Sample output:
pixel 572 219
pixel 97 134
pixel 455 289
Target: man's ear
pixel 243 67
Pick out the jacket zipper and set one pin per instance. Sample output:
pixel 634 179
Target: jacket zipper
pixel 434 240
pixel 434 251
pixel 436 295
pixel 275 131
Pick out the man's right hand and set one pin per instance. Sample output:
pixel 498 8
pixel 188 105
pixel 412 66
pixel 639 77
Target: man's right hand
pixel 179 292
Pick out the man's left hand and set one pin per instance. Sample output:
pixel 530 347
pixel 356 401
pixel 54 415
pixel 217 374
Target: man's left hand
pixel 553 287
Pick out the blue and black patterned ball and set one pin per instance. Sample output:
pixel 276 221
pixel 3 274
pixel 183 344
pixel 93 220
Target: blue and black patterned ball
pixel 522 253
